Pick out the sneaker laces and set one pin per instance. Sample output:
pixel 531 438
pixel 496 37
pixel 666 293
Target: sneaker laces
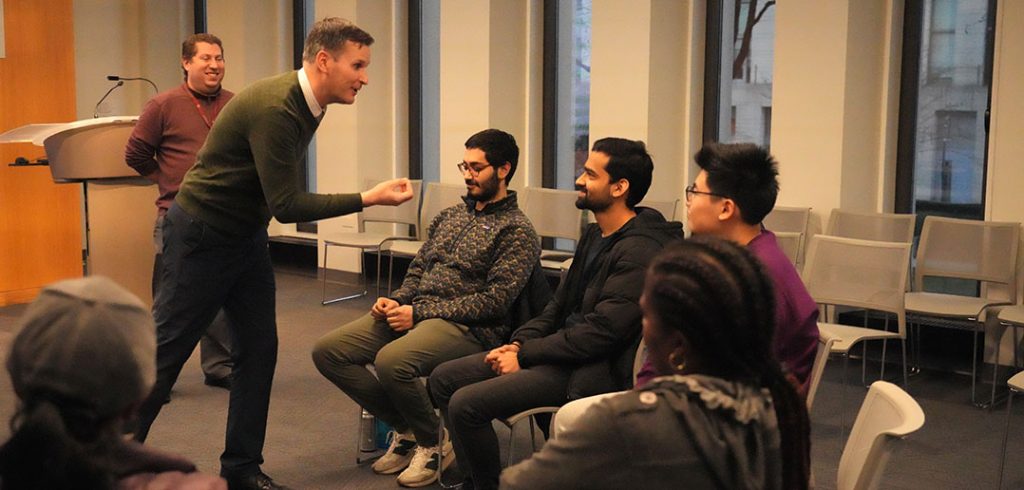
pixel 394 438
pixel 422 456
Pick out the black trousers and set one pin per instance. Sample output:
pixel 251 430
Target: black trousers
pixel 470 396
pixel 215 346
pixel 203 271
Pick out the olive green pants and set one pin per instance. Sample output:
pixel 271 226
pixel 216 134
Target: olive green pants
pixel 396 395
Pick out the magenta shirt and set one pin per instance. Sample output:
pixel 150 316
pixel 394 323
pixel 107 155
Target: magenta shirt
pixel 796 313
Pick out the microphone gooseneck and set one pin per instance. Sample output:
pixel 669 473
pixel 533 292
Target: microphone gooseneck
pixel 114 78
pixel 96 111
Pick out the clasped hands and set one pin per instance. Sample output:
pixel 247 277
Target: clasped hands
pixel 399 317
pixel 504 359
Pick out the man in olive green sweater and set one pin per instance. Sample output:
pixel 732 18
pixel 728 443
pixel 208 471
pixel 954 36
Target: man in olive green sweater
pixel 215 233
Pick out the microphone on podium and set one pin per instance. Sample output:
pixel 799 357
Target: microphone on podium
pixel 115 78
pixel 96 111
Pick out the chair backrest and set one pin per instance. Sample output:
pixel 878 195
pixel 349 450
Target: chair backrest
pixel 968 249
pixel 790 220
pixel 552 211
pixel 888 414
pixel 406 213
pixel 883 227
pixel 783 218
pixel 666 208
pixel 436 197
pixel 818 368
pixel 858 273
pixel 789 242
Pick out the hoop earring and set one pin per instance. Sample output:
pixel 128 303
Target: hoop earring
pixel 677 364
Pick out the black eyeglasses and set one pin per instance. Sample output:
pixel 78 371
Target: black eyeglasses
pixel 465 167
pixel 692 189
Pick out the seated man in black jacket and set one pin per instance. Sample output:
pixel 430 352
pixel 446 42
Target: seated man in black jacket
pixel 584 341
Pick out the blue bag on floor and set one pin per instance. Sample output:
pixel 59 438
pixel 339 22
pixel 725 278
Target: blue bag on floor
pixel 382 434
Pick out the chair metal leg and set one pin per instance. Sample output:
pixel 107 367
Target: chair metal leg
pixel 440 466
pixel 974 372
pixel 362 280
pixel 995 371
pixel 511 444
pixel 903 345
pixel 915 346
pixel 378 271
pixel 885 345
pixel 995 367
pixel 864 363
pixel 842 398
pixel 1006 435
pixel 533 435
pixel 391 268
pixel 323 292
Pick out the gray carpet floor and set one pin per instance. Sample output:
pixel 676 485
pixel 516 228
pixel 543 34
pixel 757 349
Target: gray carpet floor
pixel 311 433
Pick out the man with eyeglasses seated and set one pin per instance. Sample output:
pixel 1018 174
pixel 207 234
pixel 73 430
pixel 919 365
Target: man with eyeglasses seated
pixel 454 301
pixel 735 189
pixel 584 341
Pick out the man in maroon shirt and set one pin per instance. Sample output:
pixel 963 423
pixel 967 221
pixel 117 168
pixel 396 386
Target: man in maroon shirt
pixel 163 146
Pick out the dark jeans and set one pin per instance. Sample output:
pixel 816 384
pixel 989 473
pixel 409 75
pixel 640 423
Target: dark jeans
pixel 471 396
pixel 215 346
pixel 206 270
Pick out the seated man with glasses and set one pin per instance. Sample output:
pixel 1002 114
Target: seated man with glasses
pixel 454 301
pixel 735 189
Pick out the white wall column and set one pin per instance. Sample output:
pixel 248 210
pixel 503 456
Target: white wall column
pixel 645 81
pixel 832 123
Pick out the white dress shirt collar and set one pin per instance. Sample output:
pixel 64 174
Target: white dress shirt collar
pixel 307 91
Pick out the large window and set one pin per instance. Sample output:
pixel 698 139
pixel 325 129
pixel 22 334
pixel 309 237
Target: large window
pixel 738 71
pixel 944 105
pixel 567 90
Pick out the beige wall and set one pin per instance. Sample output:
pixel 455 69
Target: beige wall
pixel 1006 146
pixel 835 97
pixel 644 57
pixel 128 38
pixel 831 104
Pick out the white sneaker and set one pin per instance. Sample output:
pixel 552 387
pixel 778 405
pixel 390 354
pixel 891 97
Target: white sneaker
pixel 399 453
pixel 423 470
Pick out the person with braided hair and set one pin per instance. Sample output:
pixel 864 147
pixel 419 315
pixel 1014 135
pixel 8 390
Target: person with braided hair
pixel 720 413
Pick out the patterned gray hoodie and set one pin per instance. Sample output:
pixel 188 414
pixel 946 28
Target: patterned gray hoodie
pixel 472 268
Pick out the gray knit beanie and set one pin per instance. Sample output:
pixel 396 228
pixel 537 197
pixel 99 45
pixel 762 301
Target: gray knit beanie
pixel 85 341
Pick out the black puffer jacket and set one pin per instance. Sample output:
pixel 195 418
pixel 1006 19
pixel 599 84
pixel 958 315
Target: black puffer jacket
pixel 593 322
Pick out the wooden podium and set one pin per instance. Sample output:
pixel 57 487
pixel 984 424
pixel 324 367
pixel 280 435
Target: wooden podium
pixel 119 204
